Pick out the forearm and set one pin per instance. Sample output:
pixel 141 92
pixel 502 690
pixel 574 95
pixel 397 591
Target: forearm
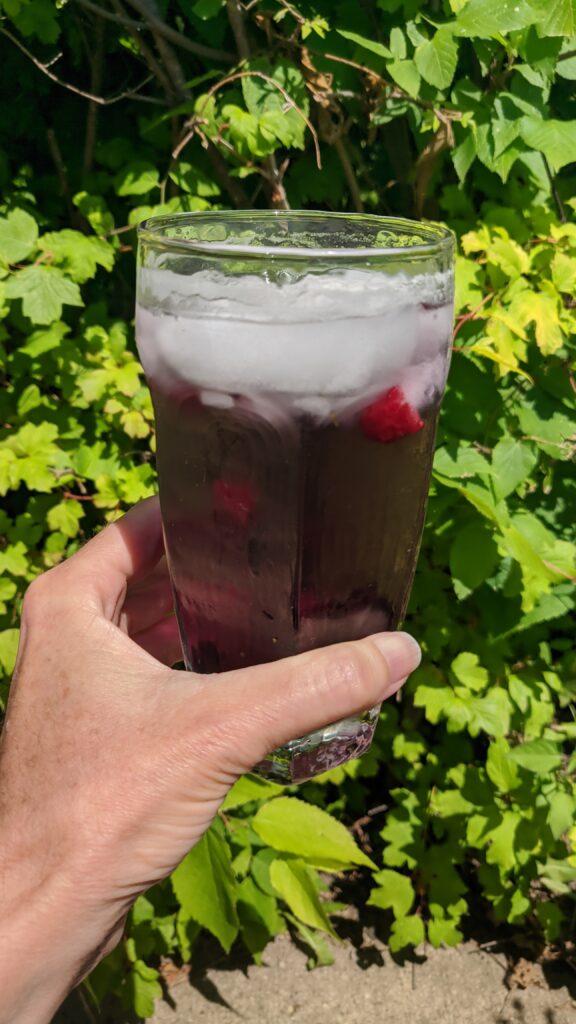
pixel 49 941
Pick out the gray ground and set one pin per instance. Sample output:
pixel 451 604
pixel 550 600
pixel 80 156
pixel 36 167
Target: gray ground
pixel 468 985
pixel 450 986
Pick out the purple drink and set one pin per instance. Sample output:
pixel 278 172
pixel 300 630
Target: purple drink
pixel 296 414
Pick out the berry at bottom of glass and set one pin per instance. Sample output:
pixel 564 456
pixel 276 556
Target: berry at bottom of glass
pixel 296 412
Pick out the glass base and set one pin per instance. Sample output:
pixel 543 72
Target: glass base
pixel 316 753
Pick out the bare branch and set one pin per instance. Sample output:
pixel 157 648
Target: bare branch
pixel 61 173
pixel 150 14
pixel 97 69
pixel 349 173
pixel 236 19
pixel 156 68
pixel 100 100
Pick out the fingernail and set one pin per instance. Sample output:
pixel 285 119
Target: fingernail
pixel 401 651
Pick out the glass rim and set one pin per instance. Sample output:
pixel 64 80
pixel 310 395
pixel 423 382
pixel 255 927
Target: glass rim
pixel 152 231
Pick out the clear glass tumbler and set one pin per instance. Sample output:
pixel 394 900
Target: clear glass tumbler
pixel 297 362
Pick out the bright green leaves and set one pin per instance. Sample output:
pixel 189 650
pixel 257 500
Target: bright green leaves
pixel 205 886
pixel 78 255
pixel 18 236
pixel 486 19
pixel 292 880
pixel 292 826
pixel 44 290
pixel 394 891
pixel 137 178
pixel 473 558
pixel 538 756
pixel 555 139
pixel 66 517
pixel 436 59
pixel 277 103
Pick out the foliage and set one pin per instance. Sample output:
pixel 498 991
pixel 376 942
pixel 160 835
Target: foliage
pixel 463 111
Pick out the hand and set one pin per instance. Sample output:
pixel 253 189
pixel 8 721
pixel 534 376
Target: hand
pixel 113 765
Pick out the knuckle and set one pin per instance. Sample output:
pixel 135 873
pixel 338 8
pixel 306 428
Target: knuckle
pixel 36 597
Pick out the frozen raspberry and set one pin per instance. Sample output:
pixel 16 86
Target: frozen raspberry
pixel 234 501
pixel 390 417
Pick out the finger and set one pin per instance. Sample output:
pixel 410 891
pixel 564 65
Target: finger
pixel 147 603
pixel 162 641
pixel 124 552
pixel 252 711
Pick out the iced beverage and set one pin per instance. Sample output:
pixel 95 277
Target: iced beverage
pixel 296 406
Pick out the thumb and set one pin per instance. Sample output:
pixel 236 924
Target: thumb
pixel 255 710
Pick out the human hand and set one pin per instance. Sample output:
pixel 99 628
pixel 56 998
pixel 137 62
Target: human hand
pixel 113 764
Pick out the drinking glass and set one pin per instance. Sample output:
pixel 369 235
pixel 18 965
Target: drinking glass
pixel 297 362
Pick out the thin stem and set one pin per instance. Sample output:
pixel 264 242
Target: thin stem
pixel 97 68
pixel 101 100
pixel 555 192
pixel 349 173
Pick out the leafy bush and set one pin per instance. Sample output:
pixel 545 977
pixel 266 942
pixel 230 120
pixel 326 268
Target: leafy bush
pixel 458 110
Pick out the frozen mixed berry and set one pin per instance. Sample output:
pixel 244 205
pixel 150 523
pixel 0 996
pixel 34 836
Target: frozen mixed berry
pixel 390 417
pixel 233 501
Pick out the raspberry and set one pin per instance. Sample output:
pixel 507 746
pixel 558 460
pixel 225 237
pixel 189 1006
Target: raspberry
pixel 233 501
pixel 390 417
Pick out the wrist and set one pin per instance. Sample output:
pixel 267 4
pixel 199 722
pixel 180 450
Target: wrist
pixel 50 936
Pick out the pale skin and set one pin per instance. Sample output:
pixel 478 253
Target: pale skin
pixel 112 764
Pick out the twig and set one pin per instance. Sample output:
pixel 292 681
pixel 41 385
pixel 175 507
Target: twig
pixel 555 192
pixel 342 152
pixel 101 100
pixel 97 67
pixel 61 173
pixel 149 11
pixel 470 316
pixel 156 68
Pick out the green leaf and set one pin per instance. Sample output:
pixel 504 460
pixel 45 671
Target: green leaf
pixel 555 139
pixel 461 462
pixel 8 649
pixel 407 931
pixel 538 756
pixel 290 825
pixel 488 18
pixel 513 461
pixel 558 875
pixel 564 273
pixel 468 671
pixel 473 558
pixel 80 255
pixel 137 178
pixel 394 891
pixel 206 9
pixel 66 517
pixel 501 850
pixel 366 44
pixel 247 789
pixel 436 59
pixel 500 769
pixel 405 74
pixel 144 988
pixel 561 813
pixel 18 236
pixel 204 884
pixel 44 291
pixel 556 17
pixel 293 883
pixel 443 932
